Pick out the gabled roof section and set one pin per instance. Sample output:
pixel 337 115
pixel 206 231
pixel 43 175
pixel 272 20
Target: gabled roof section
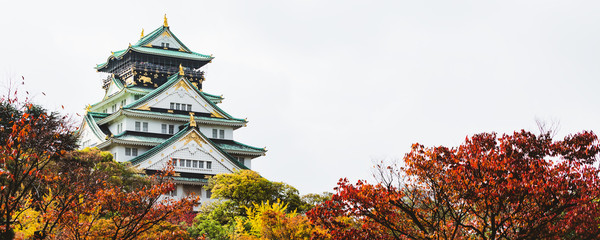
pixel 125 90
pixel 114 87
pixel 178 136
pixel 155 51
pixel 149 44
pixel 91 119
pixel 162 31
pixel 214 98
pixel 176 79
pixel 232 146
pixel 171 116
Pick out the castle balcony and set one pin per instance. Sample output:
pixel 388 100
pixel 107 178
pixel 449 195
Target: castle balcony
pixel 157 68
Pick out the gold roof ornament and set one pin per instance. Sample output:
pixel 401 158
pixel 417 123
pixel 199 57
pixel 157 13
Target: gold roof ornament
pixel 166 24
pixel 181 70
pixel 87 108
pixel 142 35
pixel 129 44
pixel 192 121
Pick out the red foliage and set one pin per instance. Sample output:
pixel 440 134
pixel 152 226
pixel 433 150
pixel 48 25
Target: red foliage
pixel 519 186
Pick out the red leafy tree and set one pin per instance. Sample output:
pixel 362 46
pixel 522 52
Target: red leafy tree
pixel 30 139
pixel 520 186
pixel 112 202
pixel 76 194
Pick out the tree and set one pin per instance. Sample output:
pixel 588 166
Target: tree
pixel 236 193
pixel 273 221
pixel 47 190
pixel 519 186
pixel 30 139
pixel 97 197
pixel 246 187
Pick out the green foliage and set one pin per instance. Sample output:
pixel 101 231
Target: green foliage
pixel 214 221
pixel 313 199
pixel 244 209
pixel 247 187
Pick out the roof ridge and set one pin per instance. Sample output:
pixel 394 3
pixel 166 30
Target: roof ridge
pixel 186 130
pixel 172 80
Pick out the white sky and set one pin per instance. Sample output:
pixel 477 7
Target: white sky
pixel 331 86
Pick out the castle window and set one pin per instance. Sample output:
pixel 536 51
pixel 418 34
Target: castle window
pixel 172 106
pixel 136 97
pixel 222 134
pixel 181 162
pixel 215 132
pixel 194 164
pixel 189 107
pixel 188 163
pixel 201 164
pixel 177 105
pixel 208 165
pixel 131 152
pixel 163 128
pixel 138 126
pixel 145 126
pixel 171 129
pixel 208 193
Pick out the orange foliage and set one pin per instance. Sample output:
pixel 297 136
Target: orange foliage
pixel 519 186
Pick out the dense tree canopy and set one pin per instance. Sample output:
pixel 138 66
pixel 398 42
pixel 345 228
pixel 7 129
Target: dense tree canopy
pixel 48 190
pixel 519 186
pixel 252 207
pixel 246 187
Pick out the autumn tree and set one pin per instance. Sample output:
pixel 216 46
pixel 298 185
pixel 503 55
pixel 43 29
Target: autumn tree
pixel 237 192
pixel 91 196
pixel 48 190
pixel 273 221
pixel 519 186
pixel 30 139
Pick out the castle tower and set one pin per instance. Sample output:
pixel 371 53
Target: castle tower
pixel 154 110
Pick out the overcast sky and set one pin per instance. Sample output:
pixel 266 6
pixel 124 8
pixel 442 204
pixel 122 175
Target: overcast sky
pixel 331 86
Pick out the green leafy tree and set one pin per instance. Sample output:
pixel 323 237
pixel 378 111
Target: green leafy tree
pixel 236 193
pixel 246 187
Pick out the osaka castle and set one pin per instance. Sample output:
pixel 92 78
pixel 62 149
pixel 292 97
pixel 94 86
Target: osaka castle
pixel 155 110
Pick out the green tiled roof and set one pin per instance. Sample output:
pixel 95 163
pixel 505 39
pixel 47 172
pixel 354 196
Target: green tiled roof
pixel 156 51
pixel 156 149
pixel 90 118
pixel 170 81
pixel 233 121
pixel 202 180
pixel 141 48
pixel 176 137
pixel 214 97
pixel 118 83
pixel 156 33
pixel 128 137
pixel 237 146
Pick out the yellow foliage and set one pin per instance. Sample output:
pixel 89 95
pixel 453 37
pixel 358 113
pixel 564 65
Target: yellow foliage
pixel 270 221
pixel 28 223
